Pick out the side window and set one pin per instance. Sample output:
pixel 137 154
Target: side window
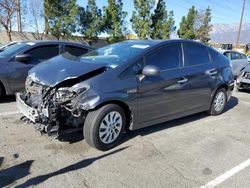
pixel 243 56
pixel 195 54
pixel 75 51
pixel 134 69
pixel 42 53
pixel 227 54
pixel 235 56
pixel 167 57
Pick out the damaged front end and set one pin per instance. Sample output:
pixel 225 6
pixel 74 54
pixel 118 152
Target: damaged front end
pixel 243 81
pixel 59 109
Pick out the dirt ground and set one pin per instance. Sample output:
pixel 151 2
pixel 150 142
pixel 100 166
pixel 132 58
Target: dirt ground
pixel 188 152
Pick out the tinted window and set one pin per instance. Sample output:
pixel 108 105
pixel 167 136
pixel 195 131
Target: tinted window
pixel 168 57
pixel 235 56
pixel 75 51
pixel 44 52
pixel 195 54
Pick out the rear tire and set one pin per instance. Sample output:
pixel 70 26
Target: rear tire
pixel 104 127
pixel 219 102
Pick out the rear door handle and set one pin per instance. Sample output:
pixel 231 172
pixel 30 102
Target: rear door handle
pixel 182 80
pixel 212 72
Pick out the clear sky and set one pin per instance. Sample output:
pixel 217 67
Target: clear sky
pixel 223 11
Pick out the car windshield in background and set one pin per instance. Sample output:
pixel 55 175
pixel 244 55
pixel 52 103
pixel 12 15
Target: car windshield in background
pixel 12 50
pixel 115 54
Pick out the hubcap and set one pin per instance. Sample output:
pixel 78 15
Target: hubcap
pixel 219 101
pixel 110 128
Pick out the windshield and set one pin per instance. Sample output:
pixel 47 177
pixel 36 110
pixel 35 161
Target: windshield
pixel 12 50
pixel 115 54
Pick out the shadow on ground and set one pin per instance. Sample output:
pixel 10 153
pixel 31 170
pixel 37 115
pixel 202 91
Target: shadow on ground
pixel 82 164
pixel 231 104
pixel 11 174
pixel 8 99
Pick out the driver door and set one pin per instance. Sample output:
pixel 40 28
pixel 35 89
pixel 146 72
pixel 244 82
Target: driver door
pixel 18 71
pixel 163 97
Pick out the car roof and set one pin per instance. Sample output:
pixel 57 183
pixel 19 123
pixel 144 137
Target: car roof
pixel 232 51
pixel 152 43
pixel 55 42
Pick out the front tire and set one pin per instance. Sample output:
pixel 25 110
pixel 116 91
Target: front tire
pixel 104 127
pixel 219 102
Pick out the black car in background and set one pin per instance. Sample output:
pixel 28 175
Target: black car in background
pixel 128 85
pixel 18 58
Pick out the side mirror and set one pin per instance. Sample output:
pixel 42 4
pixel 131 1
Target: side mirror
pixel 150 70
pixel 23 58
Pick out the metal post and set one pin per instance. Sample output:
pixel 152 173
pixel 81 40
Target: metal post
pixel 241 19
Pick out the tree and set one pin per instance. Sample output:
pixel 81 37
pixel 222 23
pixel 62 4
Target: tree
pixel 113 20
pixel 36 15
pixel 90 21
pixel 61 15
pixel 46 5
pixel 203 26
pixel 7 12
pixel 187 30
pixel 141 18
pixel 162 22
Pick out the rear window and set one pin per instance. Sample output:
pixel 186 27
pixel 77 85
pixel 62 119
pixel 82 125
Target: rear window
pixel 75 51
pixel 195 54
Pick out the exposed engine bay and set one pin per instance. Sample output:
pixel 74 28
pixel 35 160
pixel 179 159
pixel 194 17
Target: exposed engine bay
pixel 60 108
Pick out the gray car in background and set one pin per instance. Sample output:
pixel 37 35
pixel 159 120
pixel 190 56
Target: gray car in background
pixel 16 59
pixel 239 61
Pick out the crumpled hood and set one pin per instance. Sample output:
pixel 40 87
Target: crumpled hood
pixel 61 68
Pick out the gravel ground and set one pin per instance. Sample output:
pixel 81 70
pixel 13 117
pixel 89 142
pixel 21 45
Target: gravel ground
pixel 187 152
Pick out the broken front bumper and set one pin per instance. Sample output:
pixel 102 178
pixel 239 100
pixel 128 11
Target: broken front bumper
pixel 27 111
pixel 31 113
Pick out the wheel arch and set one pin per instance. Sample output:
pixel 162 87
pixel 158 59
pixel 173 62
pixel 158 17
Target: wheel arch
pixel 123 105
pixel 225 86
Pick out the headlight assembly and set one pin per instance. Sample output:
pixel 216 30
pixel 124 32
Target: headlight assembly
pixel 66 94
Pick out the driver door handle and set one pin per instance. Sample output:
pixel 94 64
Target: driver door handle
pixel 182 80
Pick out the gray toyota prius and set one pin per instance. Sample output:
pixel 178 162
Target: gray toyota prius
pixel 128 85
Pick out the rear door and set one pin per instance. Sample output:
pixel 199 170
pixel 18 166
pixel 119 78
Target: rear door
pixel 202 74
pixel 18 71
pixel 164 96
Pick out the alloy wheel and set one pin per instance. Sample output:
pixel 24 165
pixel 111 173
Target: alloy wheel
pixel 110 127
